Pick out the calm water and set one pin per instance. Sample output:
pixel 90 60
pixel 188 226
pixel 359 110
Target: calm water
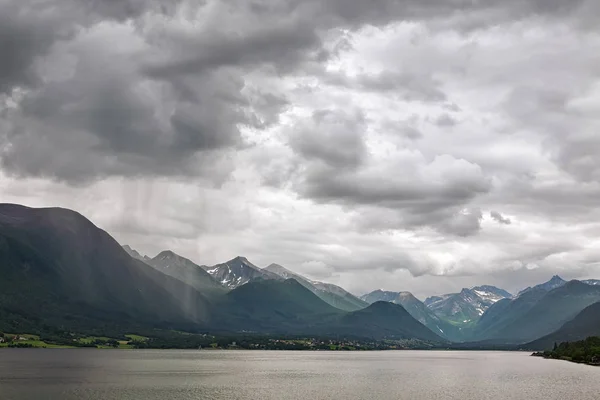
pixel 163 375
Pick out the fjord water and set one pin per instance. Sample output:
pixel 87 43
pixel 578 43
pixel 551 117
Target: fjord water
pixel 231 375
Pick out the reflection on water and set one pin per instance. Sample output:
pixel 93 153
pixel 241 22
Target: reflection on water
pixel 170 374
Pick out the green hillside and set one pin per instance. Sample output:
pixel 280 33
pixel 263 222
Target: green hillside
pixel 380 320
pixel 585 324
pixel 270 306
pixel 58 269
pixel 537 313
pixel 331 294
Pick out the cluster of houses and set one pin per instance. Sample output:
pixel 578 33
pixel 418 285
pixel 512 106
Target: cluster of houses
pixel 13 339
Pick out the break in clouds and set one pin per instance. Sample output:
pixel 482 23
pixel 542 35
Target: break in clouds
pixel 407 145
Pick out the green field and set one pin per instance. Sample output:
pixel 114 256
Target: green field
pixel 101 342
pixel 137 338
pixel 39 344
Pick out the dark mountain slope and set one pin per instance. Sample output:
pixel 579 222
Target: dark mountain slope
pixel 504 313
pixel 271 306
pixel 59 269
pixel 287 307
pixel 548 314
pixel 584 325
pixel 418 310
pixel 331 294
pixel 381 320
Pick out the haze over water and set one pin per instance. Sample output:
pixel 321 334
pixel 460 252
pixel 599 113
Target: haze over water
pixel 226 375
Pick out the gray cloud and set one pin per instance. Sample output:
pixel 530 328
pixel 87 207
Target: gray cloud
pixel 333 137
pixel 196 73
pixel 410 191
pixel 409 86
pixel 464 223
pixel 308 125
pixel 496 216
pixel 22 39
pixel 445 120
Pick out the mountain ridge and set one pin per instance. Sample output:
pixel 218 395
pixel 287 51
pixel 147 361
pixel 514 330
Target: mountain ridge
pixel 466 307
pixel 330 293
pixel 61 271
pixel 418 310
pixel 536 312
pixel 58 267
pixel 584 325
pixel 237 272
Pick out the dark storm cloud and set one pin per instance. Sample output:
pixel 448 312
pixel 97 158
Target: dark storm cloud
pixel 104 117
pixel 286 47
pixel 23 37
pixel 29 29
pixel 182 92
pixel 121 124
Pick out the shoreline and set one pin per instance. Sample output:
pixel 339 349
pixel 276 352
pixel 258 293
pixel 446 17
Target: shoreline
pixel 568 359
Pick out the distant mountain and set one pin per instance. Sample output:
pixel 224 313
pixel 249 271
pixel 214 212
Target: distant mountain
pixel 187 271
pixel 331 294
pixel 555 282
pixel 135 254
pixel 181 268
pixel 59 269
pixel 237 272
pixel 271 306
pixel 418 310
pixel 538 312
pixel 584 325
pixel 505 312
pixel 349 301
pixel 593 282
pixel 60 272
pixel 381 320
pixel 466 307
pixel 287 307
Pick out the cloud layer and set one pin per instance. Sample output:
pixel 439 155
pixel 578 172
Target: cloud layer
pixel 407 145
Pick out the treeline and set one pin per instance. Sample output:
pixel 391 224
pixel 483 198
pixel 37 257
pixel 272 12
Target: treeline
pixel 584 351
pixel 242 342
pixel 157 339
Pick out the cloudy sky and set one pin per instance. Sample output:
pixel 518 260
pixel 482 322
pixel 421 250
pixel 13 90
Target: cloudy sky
pixel 396 144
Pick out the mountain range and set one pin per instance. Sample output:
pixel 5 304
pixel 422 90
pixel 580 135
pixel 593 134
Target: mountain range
pixel 536 313
pixel 61 271
pixel 584 325
pixel 466 307
pixel 331 294
pixel 418 310
pixel 238 272
pixel 181 269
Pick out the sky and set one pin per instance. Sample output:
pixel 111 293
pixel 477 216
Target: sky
pixel 403 145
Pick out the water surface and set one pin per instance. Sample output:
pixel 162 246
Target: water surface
pixel 218 375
